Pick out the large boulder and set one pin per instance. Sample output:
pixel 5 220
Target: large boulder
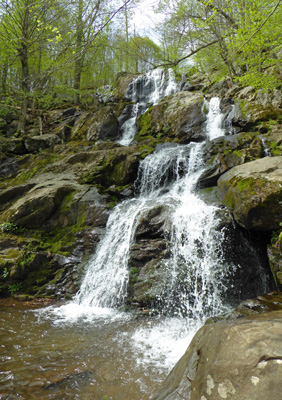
pixel 226 152
pixel 147 277
pixel 253 192
pixel 178 117
pixel 12 146
pixel 100 125
pixel 35 144
pixel 236 360
pixel 38 205
pixel 49 226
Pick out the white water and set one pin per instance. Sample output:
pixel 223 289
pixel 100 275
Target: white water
pixel 144 91
pixel 194 275
pixel 193 285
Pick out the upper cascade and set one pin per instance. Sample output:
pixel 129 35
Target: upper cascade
pixel 152 87
pixel 145 90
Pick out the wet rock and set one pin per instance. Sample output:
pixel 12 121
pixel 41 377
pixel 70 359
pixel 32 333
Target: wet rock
pixel 117 166
pixel 72 381
pixel 238 359
pixel 275 262
pixel 147 257
pixel 253 192
pixel 8 166
pixel 154 223
pixel 123 81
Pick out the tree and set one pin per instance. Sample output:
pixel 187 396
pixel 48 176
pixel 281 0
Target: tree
pixel 49 43
pixel 241 38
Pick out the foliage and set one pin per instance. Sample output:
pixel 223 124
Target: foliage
pixel 238 38
pixel 9 227
pixel 14 287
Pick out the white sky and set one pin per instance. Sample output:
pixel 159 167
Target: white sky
pixel 145 19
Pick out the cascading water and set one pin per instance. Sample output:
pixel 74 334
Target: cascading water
pixel 145 90
pixel 90 348
pixel 193 272
pixel 194 276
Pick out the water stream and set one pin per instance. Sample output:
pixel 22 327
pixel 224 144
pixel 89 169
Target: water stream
pixel 143 92
pixel 90 348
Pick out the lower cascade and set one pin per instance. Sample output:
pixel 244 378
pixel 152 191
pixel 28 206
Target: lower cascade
pixel 194 279
pixel 168 260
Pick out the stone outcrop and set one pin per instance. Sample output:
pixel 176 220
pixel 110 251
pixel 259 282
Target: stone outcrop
pixel 227 152
pixel 147 257
pixel 178 118
pixel 99 125
pixel 60 179
pixel 238 360
pixel 253 192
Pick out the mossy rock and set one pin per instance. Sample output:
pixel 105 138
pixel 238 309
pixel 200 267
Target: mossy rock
pixel 226 152
pixel 253 192
pixel 177 118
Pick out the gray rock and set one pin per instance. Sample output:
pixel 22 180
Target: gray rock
pixel 8 166
pixel 12 146
pixel 253 192
pixel 39 204
pixel 102 125
pixel 35 144
pixel 178 117
pixel 236 360
pixel 226 152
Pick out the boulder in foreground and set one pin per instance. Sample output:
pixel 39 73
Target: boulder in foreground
pixel 233 360
pixel 253 192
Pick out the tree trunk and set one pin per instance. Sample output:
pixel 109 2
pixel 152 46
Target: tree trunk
pixel 78 65
pixel 25 88
pixel 4 76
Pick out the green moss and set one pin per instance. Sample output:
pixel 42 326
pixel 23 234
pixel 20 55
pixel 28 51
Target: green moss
pixel 275 149
pixel 144 123
pixel 238 153
pixel 25 258
pixel 32 166
pixel 133 274
pixel 228 200
pixel 243 184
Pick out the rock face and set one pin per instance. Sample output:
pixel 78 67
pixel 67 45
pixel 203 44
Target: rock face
pixel 59 181
pixel 227 152
pixel 253 191
pixel 179 118
pixel 147 257
pixel 100 125
pixel 236 360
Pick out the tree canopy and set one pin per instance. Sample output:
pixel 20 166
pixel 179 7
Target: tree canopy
pixel 241 39
pixel 66 46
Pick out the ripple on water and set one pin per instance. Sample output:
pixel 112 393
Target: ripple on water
pixel 71 353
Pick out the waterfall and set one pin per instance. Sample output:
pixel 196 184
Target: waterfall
pixel 195 280
pixel 194 273
pixel 144 91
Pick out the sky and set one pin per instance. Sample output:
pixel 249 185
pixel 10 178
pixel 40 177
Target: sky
pixel 145 19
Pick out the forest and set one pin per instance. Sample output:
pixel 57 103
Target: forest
pixel 53 50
